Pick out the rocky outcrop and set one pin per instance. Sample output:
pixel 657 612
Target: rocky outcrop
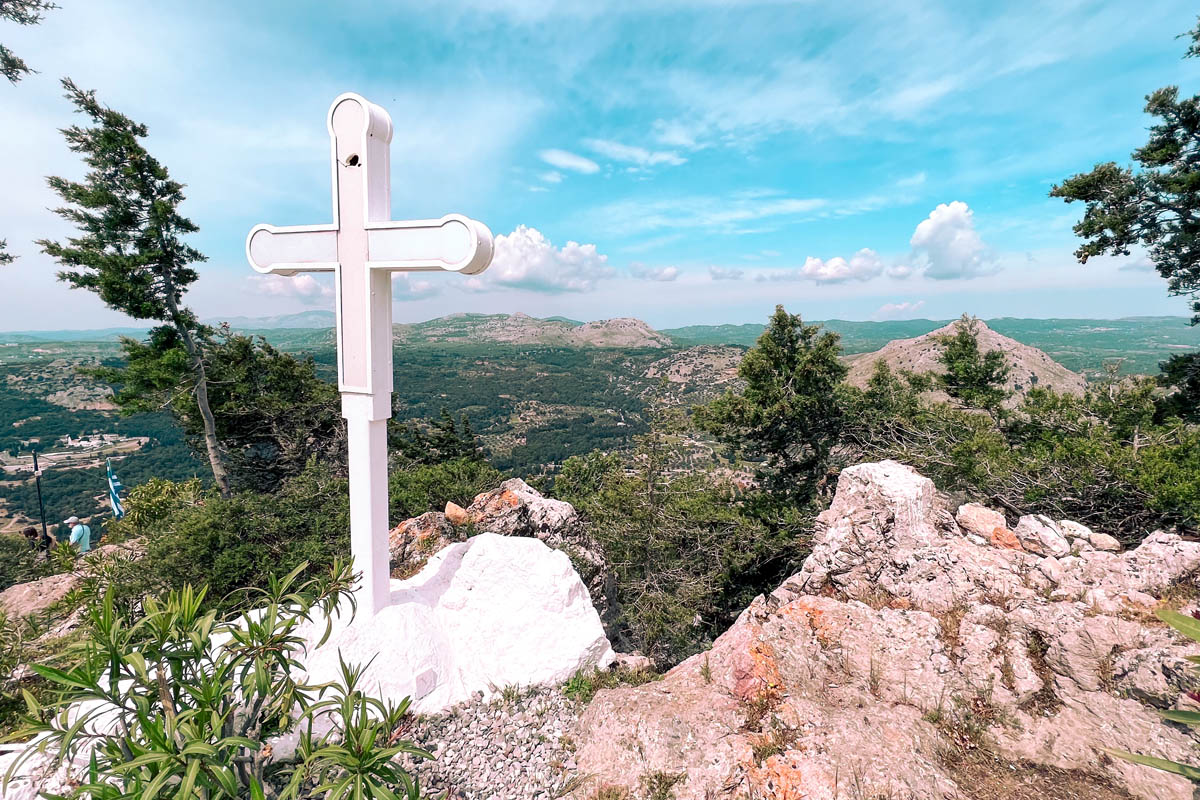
pixel 512 509
pixel 38 597
pixel 912 638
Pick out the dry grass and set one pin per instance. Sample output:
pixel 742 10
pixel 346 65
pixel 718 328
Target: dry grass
pixel 985 777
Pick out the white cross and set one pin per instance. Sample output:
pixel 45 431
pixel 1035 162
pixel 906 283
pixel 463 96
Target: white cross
pixel 363 247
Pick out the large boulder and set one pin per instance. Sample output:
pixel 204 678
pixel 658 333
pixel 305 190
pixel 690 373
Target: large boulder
pixel 40 596
pixel 482 615
pixel 906 637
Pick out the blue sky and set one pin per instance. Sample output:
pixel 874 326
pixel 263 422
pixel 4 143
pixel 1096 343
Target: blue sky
pixel 680 162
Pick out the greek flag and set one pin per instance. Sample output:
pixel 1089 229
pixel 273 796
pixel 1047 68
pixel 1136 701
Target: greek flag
pixel 114 492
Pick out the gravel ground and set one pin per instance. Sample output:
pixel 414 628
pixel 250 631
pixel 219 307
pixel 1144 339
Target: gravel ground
pixel 516 749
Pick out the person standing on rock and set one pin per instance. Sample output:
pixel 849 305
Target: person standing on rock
pixel 81 534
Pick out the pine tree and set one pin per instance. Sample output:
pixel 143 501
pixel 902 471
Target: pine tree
pixel 130 249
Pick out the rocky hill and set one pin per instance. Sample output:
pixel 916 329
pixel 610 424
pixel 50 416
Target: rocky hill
pixel 523 329
pixel 1030 367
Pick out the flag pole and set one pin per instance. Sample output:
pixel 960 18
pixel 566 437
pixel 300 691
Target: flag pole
pixel 37 479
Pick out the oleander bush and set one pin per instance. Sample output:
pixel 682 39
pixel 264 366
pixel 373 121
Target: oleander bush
pixel 180 700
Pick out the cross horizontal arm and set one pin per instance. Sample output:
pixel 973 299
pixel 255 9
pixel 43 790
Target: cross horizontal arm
pixel 453 243
pixel 286 251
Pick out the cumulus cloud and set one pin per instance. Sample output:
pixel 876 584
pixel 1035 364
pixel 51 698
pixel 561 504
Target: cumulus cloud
pixel 904 310
pixel 303 287
pixel 525 259
pixel 862 266
pixel 947 245
pixel 552 176
pixel 567 160
pixel 406 287
pixel 725 273
pixel 633 155
pixel 645 273
pixel 898 271
pixel 1141 263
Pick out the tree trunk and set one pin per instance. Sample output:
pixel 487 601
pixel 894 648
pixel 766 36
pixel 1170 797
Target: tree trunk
pixel 220 476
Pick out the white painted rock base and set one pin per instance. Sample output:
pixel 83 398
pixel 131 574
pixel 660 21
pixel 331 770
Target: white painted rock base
pixel 484 614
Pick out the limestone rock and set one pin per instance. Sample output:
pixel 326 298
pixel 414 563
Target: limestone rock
pixel 413 541
pixel 517 509
pixel 979 520
pixel 23 599
pixel 1039 534
pixel 900 616
pixel 482 615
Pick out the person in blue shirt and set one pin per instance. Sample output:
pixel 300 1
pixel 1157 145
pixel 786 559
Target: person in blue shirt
pixel 81 535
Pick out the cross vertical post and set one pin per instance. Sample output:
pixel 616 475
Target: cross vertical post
pixel 363 247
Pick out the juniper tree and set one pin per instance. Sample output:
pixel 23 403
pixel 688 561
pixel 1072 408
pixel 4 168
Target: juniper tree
pixel 1155 205
pixel 5 256
pixel 976 379
pixel 129 249
pixel 788 416
pixel 22 12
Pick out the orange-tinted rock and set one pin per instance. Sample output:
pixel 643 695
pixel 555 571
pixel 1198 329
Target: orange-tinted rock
pixel 1003 537
pixel 456 514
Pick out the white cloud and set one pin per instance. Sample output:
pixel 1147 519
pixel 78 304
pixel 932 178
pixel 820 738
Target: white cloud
pixel 947 245
pixel 643 272
pixel 726 274
pixel 525 259
pixel 862 266
pixel 904 310
pixel 551 176
pixel 911 181
pixel 674 134
pixel 304 287
pixel 632 154
pixel 406 287
pixel 900 271
pixel 566 160
pixel 1140 263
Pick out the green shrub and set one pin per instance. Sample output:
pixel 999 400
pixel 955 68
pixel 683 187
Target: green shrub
pixel 686 551
pixel 18 561
pixel 417 488
pixel 179 714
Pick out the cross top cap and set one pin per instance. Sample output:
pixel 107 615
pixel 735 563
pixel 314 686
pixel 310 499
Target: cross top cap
pixel 378 121
pixel 363 235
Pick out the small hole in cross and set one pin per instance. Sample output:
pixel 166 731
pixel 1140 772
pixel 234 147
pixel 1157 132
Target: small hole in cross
pixel 352 160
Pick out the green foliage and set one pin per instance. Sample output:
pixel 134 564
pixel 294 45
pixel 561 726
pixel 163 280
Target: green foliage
pixel 271 412
pixel 583 685
pixel 151 505
pixel 1181 373
pixel 1101 459
pixel 1190 627
pixel 5 256
pixel 418 488
pixel 686 551
pixel 975 379
pixel 444 440
pixel 229 543
pixel 174 710
pixel 129 249
pixel 786 418
pixel 18 561
pixel 12 67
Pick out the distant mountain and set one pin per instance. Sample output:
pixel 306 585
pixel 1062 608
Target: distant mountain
pixel 100 335
pixel 523 329
pixel 304 319
pixel 1029 367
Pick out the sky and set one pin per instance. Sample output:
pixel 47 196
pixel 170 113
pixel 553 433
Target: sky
pixel 685 163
